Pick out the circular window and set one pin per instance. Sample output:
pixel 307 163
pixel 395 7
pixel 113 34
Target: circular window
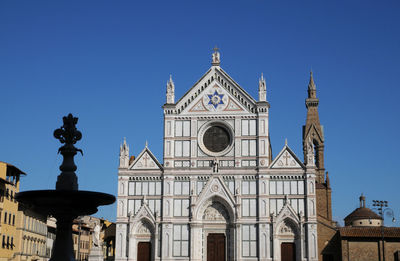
pixel 215 138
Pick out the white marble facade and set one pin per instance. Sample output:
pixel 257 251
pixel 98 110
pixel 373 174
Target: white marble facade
pixel 217 177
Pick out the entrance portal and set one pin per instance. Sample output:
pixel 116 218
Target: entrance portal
pixel 216 247
pixel 288 252
pixel 144 251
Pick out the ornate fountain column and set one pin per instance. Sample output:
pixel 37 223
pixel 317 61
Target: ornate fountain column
pixel 66 202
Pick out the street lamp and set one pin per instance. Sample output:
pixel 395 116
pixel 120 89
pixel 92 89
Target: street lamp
pixel 382 206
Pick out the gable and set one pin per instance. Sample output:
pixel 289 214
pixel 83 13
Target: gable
pixel 286 159
pixel 216 92
pixel 314 133
pixel 215 99
pixel 146 160
pixel 214 187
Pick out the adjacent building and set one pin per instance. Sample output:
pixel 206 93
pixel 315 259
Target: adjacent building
pixel 219 194
pixel 109 241
pixel 365 238
pixel 9 186
pixel 32 236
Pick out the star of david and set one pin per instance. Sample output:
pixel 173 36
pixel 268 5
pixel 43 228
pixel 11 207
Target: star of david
pixel 215 99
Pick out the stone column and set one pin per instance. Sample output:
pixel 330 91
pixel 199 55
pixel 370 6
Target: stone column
pixel 196 241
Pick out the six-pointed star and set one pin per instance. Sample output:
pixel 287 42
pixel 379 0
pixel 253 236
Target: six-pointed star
pixel 215 99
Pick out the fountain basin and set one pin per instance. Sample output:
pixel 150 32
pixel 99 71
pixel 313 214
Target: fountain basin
pixel 64 202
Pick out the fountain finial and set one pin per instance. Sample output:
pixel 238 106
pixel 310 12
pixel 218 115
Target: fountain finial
pixel 68 134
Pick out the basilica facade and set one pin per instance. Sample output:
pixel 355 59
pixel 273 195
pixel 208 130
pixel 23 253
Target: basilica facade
pixel 219 194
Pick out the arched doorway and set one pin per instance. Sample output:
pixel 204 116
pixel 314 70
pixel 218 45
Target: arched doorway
pixel 217 232
pixel 288 239
pixel 142 241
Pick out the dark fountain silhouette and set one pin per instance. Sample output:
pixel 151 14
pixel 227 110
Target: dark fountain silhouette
pixel 66 202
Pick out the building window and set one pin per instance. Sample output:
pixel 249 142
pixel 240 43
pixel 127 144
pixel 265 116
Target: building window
pixel 181 187
pixel 230 183
pixel 8 242
pixel 181 240
pixel 5 218
pixel 134 205
pixel 248 127
pixel 249 242
pixel 12 243
pixel 216 139
pixel 4 241
pixel 154 205
pixel 286 187
pixel 249 187
pixel 249 208
pixel 181 207
pixel 9 218
pixel 140 188
pixel 182 128
pixel 13 221
pixel 182 148
pixel 200 185
pixel 275 205
pixel 249 148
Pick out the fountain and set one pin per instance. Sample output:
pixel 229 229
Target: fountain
pixel 66 202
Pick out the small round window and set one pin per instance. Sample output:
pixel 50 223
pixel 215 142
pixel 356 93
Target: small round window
pixel 216 139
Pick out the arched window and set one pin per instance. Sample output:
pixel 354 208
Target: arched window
pixel 316 156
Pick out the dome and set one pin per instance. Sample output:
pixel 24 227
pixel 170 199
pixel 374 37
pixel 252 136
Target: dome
pixel 363 216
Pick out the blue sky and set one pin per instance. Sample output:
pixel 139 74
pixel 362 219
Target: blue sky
pixel 107 62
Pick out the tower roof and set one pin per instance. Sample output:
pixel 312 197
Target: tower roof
pixel 311 84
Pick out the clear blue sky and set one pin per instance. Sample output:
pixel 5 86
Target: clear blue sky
pixel 107 62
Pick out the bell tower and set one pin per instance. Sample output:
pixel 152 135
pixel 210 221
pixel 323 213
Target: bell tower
pixel 313 131
pixel 313 139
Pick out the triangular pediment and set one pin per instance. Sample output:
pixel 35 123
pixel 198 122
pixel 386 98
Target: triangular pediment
pixel 287 211
pixel 314 133
pixel 143 222
pixel 146 160
pixel 286 159
pixel 144 212
pixel 216 92
pixel 215 187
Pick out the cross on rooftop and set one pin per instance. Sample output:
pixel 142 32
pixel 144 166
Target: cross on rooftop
pixel 286 157
pixel 145 158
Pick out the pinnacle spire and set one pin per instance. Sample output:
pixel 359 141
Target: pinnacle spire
pixel 124 155
pixel 311 87
pixel 170 90
pixel 262 89
pixel 216 61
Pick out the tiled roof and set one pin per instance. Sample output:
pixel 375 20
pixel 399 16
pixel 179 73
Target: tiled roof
pixel 389 232
pixel 361 213
pixel 17 170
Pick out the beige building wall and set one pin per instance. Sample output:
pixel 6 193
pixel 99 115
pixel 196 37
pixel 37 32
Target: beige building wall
pixel 33 237
pixel 9 217
pixel 368 250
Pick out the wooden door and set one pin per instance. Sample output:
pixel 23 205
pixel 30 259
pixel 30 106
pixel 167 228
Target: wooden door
pixel 216 247
pixel 288 252
pixel 144 251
